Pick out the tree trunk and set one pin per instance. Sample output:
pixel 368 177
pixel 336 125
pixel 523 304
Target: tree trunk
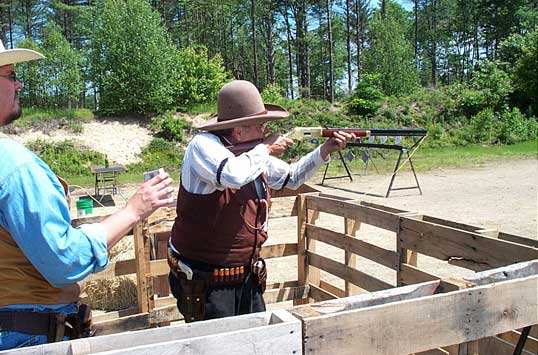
pixel 331 54
pixel 254 49
pixel 348 44
pixel 289 40
pixel 358 39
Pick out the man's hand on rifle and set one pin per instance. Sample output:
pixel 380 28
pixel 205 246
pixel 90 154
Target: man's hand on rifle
pixel 276 144
pixel 337 142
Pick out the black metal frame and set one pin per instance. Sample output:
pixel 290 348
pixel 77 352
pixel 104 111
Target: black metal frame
pixel 386 132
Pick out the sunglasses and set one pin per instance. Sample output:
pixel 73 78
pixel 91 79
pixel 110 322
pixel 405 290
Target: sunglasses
pixel 11 76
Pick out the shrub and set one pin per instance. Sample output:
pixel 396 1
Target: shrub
pixel 160 153
pixel 367 97
pixel 515 127
pixel 170 127
pixel 66 159
pixel 272 94
pixel 482 126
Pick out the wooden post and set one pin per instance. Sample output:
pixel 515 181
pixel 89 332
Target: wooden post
pixel 409 257
pixel 305 273
pixel 350 228
pixel 143 273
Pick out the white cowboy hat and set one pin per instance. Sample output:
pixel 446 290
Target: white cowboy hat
pixel 17 55
pixel 240 104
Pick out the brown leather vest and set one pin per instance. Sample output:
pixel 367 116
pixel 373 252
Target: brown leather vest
pixel 218 228
pixel 21 283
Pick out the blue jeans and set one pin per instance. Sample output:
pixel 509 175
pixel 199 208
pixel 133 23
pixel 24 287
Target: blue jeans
pixel 12 340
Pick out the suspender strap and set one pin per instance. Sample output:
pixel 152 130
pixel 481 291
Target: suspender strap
pixel 286 181
pixel 219 170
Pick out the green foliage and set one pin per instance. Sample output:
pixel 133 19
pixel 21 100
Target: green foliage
pixel 160 153
pixel 55 81
pixel 493 83
pixel 65 158
pixel 197 78
pixel 132 60
pixel 367 97
pixel 170 127
pixel 273 94
pixel 482 125
pixel 515 127
pixel 390 54
pixel 521 52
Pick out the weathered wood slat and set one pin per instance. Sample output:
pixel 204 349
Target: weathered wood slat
pixel 117 268
pixel 286 294
pixel 433 352
pixel 367 300
pixel 278 250
pixel 474 313
pixel 162 227
pixel 505 273
pixel 338 292
pixel 449 244
pixel 356 277
pixel 380 255
pixel 518 239
pixel 319 294
pixel 531 345
pixel 355 211
pixel 410 274
pixel 497 346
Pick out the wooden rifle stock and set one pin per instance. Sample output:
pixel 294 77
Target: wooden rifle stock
pixel 329 132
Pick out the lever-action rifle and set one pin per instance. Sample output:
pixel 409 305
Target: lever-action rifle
pixel 300 133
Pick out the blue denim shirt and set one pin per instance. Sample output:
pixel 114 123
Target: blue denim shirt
pixel 34 211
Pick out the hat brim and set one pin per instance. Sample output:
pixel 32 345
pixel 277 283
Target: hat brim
pixel 19 55
pixel 273 113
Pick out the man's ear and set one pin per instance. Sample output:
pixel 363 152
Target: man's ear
pixel 236 134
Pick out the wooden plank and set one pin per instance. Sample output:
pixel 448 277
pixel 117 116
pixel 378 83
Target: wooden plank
pixel 460 247
pixel 429 322
pixel 534 332
pixel 286 294
pixel 338 292
pixel 143 273
pixel 117 268
pixel 233 335
pixel 355 211
pixel 451 224
pixel 496 346
pixel 356 277
pixel 433 352
pixel 160 279
pixel 382 207
pixel 366 300
pixel 159 267
pixel 531 345
pixel 350 259
pixel 412 275
pixel 505 273
pixel 278 250
pixel 302 263
pixel 372 252
pixel 319 294
pixel 97 318
pixel 161 228
pixel 518 239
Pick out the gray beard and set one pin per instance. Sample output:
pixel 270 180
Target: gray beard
pixel 13 116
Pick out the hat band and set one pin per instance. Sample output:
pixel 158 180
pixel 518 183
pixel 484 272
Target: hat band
pixel 235 118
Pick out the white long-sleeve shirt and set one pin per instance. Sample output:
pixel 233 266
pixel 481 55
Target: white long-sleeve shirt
pixel 206 152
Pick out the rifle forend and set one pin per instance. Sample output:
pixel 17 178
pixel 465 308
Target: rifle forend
pixel 299 133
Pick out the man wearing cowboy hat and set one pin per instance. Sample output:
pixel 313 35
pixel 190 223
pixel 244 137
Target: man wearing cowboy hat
pixel 223 205
pixel 41 256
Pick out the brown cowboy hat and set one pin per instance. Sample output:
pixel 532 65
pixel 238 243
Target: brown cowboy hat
pixel 240 104
pixel 18 55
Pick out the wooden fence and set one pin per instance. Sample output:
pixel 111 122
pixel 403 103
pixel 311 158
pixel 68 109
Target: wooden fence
pixel 482 312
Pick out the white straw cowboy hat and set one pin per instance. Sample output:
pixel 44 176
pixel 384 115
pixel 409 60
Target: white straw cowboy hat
pixel 240 104
pixel 18 55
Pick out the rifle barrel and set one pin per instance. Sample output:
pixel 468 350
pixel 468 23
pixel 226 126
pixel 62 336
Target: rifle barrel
pixel 358 132
pixel 392 132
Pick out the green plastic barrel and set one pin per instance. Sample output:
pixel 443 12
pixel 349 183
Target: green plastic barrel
pixel 84 207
